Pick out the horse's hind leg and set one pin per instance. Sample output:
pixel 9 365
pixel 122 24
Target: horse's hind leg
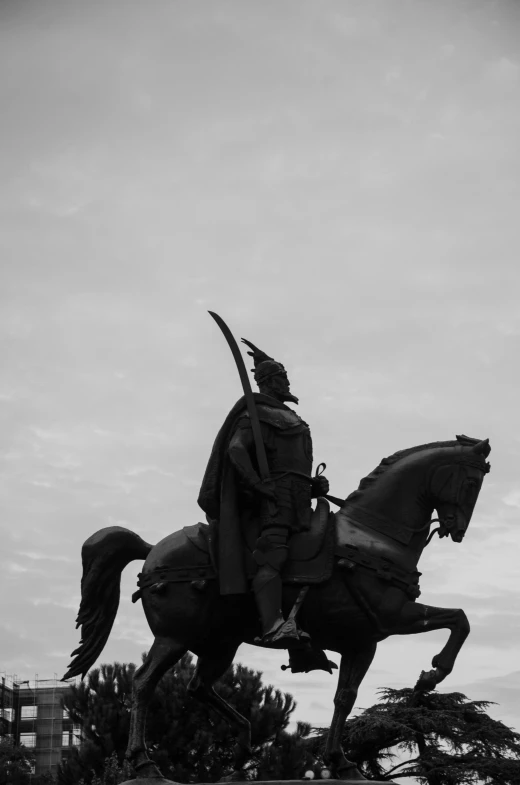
pixel 354 665
pixel 164 653
pixel 210 667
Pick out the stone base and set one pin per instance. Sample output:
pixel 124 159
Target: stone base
pixel 149 781
pixel 162 781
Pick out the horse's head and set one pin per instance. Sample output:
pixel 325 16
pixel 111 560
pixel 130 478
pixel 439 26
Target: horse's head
pixel 455 485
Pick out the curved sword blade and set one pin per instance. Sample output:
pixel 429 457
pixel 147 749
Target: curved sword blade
pixel 261 456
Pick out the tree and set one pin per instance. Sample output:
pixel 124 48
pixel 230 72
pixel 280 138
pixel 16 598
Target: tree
pixel 288 757
pixel 188 741
pixel 16 763
pixel 113 773
pixel 101 705
pixel 446 740
pixel 43 779
pixel 193 743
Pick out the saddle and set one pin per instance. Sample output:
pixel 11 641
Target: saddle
pixel 311 553
pixel 310 561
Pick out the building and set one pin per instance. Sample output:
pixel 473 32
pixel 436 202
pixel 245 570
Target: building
pixel 32 713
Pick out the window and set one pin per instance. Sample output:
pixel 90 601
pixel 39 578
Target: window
pixel 29 712
pixel 65 739
pixel 28 739
pixel 66 714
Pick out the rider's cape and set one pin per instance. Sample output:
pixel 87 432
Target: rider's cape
pixel 218 495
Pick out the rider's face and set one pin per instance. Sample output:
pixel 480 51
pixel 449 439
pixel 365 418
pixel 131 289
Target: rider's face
pixel 281 388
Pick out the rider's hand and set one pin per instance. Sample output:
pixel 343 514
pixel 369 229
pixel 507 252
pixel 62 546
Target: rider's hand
pixel 266 489
pixel 320 486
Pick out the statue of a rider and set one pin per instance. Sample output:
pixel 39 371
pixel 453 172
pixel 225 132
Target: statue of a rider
pixel 234 495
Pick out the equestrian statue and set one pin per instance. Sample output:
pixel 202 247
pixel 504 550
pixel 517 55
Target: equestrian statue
pixel 270 570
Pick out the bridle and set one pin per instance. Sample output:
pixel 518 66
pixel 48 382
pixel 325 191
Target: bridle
pixel 443 530
pixel 447 525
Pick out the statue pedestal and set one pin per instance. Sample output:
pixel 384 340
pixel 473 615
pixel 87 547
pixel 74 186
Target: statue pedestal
pixel 149 781
pixel 162 781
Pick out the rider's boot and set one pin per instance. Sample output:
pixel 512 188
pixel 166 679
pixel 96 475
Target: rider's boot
pixel 277 633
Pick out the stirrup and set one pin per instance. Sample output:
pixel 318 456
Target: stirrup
pixel 286 635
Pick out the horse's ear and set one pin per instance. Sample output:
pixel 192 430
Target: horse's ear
pixel 482 448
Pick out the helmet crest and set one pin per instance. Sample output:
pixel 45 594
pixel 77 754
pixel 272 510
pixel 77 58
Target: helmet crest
pixel 265 366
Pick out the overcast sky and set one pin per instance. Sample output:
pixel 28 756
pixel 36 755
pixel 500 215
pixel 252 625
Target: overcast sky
pixel 340 181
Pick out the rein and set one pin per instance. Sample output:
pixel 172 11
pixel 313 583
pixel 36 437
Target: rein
pixel 438 530
pixel 398 531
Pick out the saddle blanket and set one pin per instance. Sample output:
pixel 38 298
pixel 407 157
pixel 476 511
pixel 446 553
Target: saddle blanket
pixel 311 554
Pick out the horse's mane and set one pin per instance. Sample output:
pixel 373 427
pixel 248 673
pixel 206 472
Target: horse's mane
pixel 368 481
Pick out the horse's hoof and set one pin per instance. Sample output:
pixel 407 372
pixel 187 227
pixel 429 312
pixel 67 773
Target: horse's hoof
pixel 442 669
pixel 147 770
pixel 236 776
pixel 427 681
pixel 351 774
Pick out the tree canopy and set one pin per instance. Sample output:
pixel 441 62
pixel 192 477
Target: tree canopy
pixel 113 773
pixel 16 762
pixel 101 705
pixel 439 739
pixel 188 741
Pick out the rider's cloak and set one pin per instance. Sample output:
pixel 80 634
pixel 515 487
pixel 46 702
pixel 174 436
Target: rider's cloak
pixel 218 495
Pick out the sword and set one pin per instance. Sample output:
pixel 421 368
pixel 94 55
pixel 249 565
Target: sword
pixel 263 466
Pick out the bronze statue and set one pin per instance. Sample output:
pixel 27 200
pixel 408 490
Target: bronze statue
pixel 351 577
pixel 259 475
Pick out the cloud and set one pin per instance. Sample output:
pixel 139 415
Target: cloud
pixel 504 690
pixel 71 604
pixel 446 51
pixel 512 499
pixel 13 567
pixel 317 706
pixel 39 556
pixel 503 74
pixel 140 470
pixel 132 630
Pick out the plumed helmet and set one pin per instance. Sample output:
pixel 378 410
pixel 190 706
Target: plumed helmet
pixel 265 366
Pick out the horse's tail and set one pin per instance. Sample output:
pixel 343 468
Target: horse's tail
pixel 104 556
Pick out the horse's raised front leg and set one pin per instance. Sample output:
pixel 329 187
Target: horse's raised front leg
pixel 164 653
pixel 210 667
pixel 354 665
pixel 416 617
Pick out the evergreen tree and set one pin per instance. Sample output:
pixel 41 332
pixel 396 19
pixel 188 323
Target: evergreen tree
pixel 446 740
pixel 43 779
pixel 16 762
pixel 113 773
pixel 101 705
pixel 188 741
pixel 193 743
pixel 287 757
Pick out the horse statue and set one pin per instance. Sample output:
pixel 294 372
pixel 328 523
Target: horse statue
pixel 352 578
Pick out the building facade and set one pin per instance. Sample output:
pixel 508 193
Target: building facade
pixel 32 713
